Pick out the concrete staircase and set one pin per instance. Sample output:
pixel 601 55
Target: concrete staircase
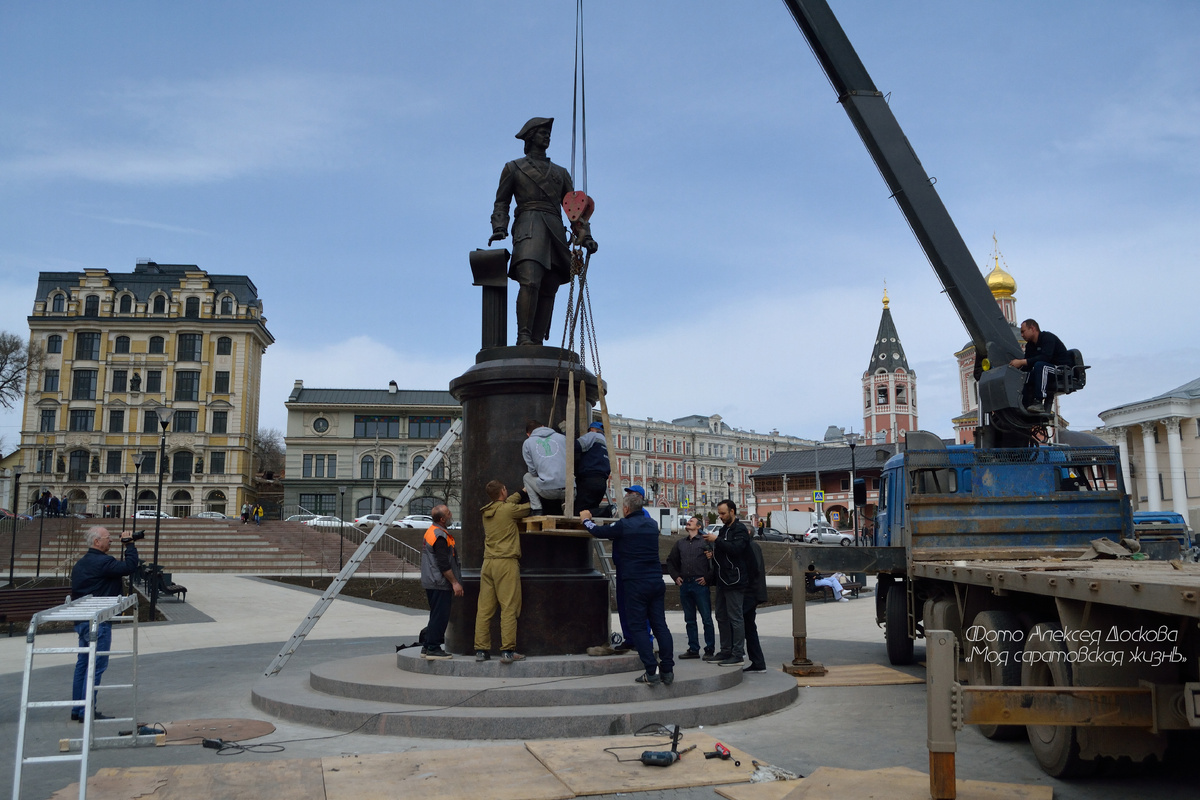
pixel 203 545
pixel 539 698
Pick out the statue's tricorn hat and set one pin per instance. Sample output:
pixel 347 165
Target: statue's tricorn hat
pixel 533 124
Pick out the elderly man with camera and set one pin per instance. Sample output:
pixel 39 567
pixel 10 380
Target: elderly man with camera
pixel 99 575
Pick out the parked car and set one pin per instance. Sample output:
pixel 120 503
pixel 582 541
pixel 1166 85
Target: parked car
pixel 773 535
pixel 714 528
pixel 211 515
pixel 301 517
pixel 147 513
pixel 823 534
pixel 416 521
pixel 455 526
pixel 370 521
pixel 325 522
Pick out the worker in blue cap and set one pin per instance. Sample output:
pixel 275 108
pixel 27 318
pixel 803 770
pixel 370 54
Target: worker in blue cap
pixel 541 258
pixel 591 469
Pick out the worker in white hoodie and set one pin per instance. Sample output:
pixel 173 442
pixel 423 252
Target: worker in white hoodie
pixel 545 453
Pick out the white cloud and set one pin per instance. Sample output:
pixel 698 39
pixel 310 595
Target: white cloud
pixel 194 131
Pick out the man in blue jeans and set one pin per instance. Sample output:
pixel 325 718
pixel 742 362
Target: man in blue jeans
pixel 637 562
pixel 691 568
pixel 99 575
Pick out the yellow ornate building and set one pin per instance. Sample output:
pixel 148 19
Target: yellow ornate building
pixel 121 345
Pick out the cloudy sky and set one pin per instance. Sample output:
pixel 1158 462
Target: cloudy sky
pixel 345 156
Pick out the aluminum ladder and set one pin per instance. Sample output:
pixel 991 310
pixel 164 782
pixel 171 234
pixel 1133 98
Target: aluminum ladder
pixel 360 555
pixel 94 611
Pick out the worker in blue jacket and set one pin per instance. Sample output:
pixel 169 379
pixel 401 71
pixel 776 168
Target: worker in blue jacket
pixel 100 575
pixel 637 562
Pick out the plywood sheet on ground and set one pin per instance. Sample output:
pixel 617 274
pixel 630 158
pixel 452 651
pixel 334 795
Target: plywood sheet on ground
pixel 495 773
pixel 192 731
pixel 293 779
pixel 586 768
pixel 772 790
pixel 900 783
pixel 858 675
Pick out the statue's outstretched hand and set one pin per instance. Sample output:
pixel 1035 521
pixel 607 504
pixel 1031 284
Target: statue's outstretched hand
pixel 497 236
pixel 590 245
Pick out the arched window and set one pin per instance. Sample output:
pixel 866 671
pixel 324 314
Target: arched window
pixel 112 504
pixel 156 344
pixel 417 463
pixel 385 468
pixel 126 304
pixel 881 395
pixel 365 506
pixel 215 501
pixel 367 468
pixel 901 395
pixel 226 306
pixel 91 306
pixel 54 343
pixel 121 345
pixel 422 505
pixel 58 303
pixel 160 305
pixel 191 307
pixel 181 504
pixel 78 466
pixel 224 346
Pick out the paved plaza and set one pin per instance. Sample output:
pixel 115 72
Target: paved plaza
pixel 203 663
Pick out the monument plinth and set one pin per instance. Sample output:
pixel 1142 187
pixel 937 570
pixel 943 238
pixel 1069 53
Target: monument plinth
pixel 564 604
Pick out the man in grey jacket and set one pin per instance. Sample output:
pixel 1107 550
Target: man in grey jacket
pixel 545 453
pixel 441 577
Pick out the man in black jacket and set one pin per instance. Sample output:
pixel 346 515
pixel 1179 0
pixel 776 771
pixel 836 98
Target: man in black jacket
pixel 99 575
pixel 1044 352
pixel 733 581
pixel 756 594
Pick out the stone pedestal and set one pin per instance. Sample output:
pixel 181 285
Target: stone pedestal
pixel 564 599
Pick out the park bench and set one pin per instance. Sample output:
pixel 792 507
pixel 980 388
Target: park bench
pixel 19 605
pixel 166 585
pixel 825 593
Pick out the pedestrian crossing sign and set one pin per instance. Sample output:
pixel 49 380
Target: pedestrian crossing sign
pixel 819 496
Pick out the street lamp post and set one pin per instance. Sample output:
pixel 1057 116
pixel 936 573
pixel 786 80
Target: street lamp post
pixel 342 523
pixel 41 527
pixel 164 419
pixel 137 474
pixel 124 497
pixel 852 440
pixel 12 558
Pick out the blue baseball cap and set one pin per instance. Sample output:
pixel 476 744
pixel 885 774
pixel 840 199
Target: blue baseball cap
pixel 596 426
pixel 637 489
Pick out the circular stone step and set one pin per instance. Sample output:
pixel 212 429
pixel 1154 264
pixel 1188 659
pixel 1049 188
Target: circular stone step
pixel 294 697
pixel 376 678
pixel 409 660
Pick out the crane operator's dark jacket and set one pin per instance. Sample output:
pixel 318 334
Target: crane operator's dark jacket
pixel 99 574
pixel 1048 349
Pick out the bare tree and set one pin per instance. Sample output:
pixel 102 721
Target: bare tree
pixel 269 450
pixel 448 488
pixel 19 361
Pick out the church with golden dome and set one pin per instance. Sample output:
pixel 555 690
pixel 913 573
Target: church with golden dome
pixel 1004 288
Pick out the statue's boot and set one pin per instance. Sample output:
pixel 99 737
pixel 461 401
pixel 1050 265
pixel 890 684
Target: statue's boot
pixel 541 320
pixel 527 304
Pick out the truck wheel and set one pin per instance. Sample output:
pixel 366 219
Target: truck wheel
pixel 899 646
pixel 1055 746
pixel 1000 633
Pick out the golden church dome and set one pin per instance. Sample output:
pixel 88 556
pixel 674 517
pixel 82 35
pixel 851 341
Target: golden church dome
pixel 1000 282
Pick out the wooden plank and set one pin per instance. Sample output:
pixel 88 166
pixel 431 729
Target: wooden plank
pixel 293 779
pixel 591 766
pixel 859 675
pixel 900 783
pixel 772 790
pixel 495 773
pixel 191 731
